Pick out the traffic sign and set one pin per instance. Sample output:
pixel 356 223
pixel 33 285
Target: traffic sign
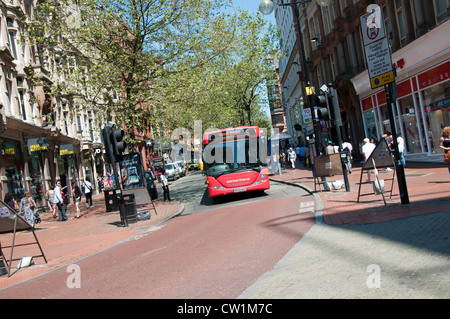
pixel 372 26
pixel 376 47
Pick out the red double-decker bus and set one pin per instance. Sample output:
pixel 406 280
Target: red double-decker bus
pixel 235 160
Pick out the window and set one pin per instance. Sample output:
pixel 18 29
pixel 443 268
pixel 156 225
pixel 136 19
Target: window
pixel 12 36
pixel 80 128
pixel 400 22
pixel 343 5
pixel 440 7
pixel 333 65
pixel 9 94
pixel 12 43
pixel 328 18
pixel 387 24
pixel 22 105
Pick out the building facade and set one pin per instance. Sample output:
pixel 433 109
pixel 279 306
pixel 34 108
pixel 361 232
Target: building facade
pixel 335 55
pixel 43 138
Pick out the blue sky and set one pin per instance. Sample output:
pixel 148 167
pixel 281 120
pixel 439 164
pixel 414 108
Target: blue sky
pixel 252 7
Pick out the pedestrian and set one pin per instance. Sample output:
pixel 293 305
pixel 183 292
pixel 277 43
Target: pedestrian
pixel 59 201
pixel 347 147
pixel 292 156
pixel 444 144
pixel 105 183
pixel 330 148
pixel 11 202
pixel 401 150
pixel 76 195
pixel 302 154
pixel 367 149
pixel 100 183
pixel 165 186
pixel 27 206
pixel 88 192
pixel 49 196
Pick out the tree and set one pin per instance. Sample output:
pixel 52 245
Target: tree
pixel 153 62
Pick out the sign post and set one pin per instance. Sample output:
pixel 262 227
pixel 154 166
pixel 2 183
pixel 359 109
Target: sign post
pixel 382 73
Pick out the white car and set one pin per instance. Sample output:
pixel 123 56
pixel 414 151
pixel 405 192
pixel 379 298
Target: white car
pixel 172 172
pixel 182 168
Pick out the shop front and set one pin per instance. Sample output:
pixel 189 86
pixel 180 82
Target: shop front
pixel 12 161
pixel 421 112
pixel 37 148
pixel 422 104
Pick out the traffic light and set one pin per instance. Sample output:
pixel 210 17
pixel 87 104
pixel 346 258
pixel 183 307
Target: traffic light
pixel 106 134
pixel 118 143
pixel 115 145
pixel 322 112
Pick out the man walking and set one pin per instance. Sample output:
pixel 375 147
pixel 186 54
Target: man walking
pixel 88 192
pixel 59 200
pixel 165 186
pixel 292 156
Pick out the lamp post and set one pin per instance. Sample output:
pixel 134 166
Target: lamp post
pixel 266 7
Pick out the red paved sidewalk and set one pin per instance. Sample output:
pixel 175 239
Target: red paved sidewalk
pixel 427 185
pixel 65 242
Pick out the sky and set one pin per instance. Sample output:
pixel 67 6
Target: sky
pixel 252 7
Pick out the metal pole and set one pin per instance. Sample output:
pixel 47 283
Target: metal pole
pixel 305 71
pixel 338 124
pixel 390 99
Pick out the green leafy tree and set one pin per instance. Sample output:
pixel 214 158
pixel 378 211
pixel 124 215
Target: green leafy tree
pixel 159 63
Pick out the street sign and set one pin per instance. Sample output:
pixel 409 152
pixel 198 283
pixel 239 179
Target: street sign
pixel 372 26
pixel 376 47
pixel 307 118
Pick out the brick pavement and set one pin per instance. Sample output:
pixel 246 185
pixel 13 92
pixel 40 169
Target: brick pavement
pixel 65 242
pixel 427 185
pixel 331 261
pixel 368 249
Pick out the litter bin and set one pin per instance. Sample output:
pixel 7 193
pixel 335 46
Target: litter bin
pixel 129 207
pixel 111 200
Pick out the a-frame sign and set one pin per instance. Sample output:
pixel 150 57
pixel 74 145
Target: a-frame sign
pixel 381 157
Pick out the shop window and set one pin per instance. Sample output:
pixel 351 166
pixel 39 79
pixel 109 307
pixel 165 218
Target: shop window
pixel 436 106
pixel 36 183
pixel 370 124
pixel 409 122
pixel 12 159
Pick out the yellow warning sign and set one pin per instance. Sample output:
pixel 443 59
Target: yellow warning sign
pixel 382 79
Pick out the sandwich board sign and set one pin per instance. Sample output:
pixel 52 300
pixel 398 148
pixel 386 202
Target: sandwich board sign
pixel 376 47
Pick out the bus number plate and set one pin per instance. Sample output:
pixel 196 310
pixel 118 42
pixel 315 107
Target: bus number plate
pixel 239 190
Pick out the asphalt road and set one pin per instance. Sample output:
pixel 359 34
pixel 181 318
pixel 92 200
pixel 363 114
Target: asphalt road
pixel 217 253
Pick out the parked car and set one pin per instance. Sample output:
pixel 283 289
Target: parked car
pixel 193 165
pixel 178 168
pixel 182 167
pixel 172 172
pixel 151 187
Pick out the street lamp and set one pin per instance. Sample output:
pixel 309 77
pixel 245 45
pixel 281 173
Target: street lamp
pixel 266 7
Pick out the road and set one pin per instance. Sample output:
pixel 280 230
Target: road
pixel 210 251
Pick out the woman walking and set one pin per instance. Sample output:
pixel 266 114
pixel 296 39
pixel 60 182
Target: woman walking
pixel 26 207
pixel 76 195
pixel 444 144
